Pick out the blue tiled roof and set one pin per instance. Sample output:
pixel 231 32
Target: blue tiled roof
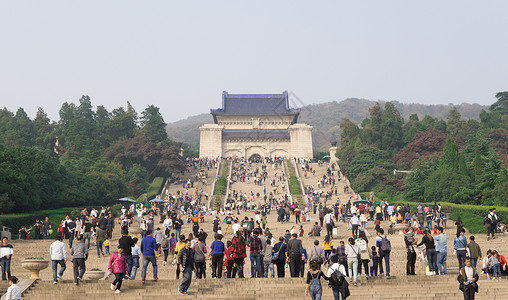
pixel 255 105
pixel 256 133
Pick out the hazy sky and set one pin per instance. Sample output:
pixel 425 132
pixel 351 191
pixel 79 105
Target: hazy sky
pixel 180 56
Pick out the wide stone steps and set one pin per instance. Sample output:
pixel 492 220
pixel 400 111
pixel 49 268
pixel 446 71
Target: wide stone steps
pixel 444 287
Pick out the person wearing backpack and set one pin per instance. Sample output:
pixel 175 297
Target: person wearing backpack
pixel 338 282
pixel 165 248
pixel 384 248
pixel 317 254
pixel 314 287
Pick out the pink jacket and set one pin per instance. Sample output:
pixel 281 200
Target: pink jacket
pixel 118 263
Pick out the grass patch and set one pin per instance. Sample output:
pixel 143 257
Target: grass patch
pixel 152 190
pixel 15 221
pixel 294 183
pixel 472 222
pixel 221 184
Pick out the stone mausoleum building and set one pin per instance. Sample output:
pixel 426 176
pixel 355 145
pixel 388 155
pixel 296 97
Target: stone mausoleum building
pixel 255 124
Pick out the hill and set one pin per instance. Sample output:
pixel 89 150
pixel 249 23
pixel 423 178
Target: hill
pixel 326 118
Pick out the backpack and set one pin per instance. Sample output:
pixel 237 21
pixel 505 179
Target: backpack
pixel 336 279
pixel 165 243
pixel 385 244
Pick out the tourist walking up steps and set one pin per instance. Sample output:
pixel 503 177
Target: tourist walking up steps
pixel 148 248
pixel 384 248
pixel 338 283
pixel 314 287
pixel 352 252
pixel 79 254
pixel 186 260
pixel 294 255
pixel 460 245
pixel 118 266
pixel 58 253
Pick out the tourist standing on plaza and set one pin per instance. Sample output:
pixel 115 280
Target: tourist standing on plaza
pixel 79 254
pixel 148 248
pixel 126 243
pixel 217 256
pixel 442 251
pixel 58 253
pixel 430 248
pixel 118 266
pixel 295 255
pixel 460 245
pixel 6 252
pixel 468 278
pixel 280 249
pixel 46 226
pixel 384 248
pixel 186 259
pixel 313 286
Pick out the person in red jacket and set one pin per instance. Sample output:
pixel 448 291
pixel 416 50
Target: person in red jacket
pixel 118 266
pixel 239 253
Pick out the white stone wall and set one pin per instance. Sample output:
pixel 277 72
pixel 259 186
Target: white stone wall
pixel 255 122
pixel 213 145
pixel 301 141
pixel 210 141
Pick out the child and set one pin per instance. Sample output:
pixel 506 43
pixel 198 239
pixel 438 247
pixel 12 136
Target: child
pixel 172 245
pixel 377 223
pixel 136 253
pixel 13 292
pixel 375 262
pixel 301 230
pixel 107 243
pixel 118 266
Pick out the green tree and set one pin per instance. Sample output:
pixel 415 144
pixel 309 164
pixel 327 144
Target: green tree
pixel 44 130
pixel 501 105
pixel 153 125
pixel 391 128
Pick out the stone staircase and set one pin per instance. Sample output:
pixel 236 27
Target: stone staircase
pixel 399 286
pixel 247 188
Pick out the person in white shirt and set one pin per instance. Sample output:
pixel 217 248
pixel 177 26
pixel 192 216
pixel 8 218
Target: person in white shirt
pixel 329 220
pixel 352 251
pixel 13 292
pixel 58 253
pixel 355 222
pixel 235 227
pixel 334 267
pixel 168 223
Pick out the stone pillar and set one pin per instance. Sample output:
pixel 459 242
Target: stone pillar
pixel 333 152
pixel 210 141
pixel 300 145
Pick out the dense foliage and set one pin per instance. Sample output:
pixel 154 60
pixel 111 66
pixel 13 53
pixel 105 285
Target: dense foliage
pixel 455 160
pixel 87 157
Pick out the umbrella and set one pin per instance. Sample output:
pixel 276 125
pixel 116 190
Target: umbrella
pixel 361 201
pixel 125 199
pixel 156 200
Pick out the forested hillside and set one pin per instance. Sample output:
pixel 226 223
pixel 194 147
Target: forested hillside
pixel 453 160
pixel 326 118
pixel 88 157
